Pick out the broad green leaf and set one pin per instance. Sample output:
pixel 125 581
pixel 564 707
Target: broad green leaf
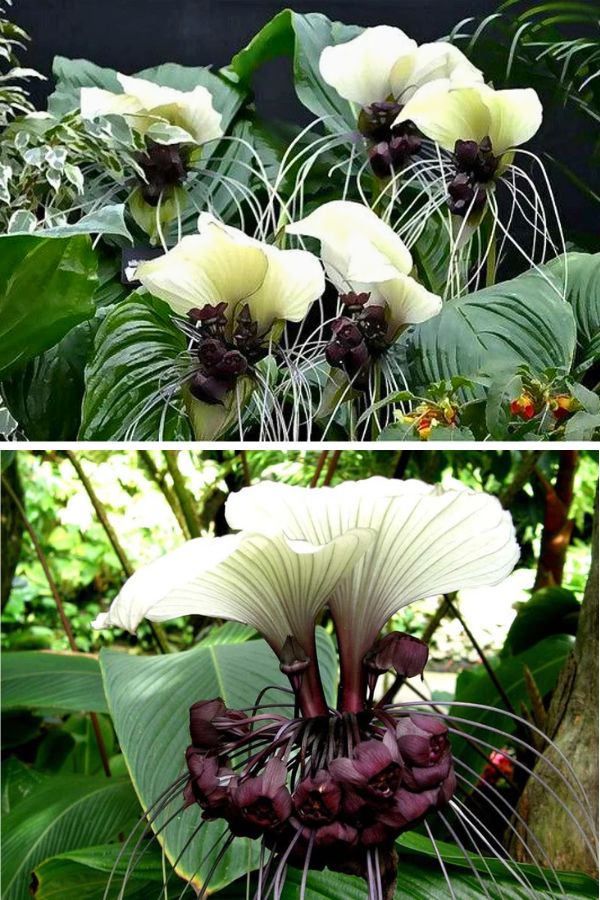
pixel 583 293
pixel 505 386
pixel 133 373
pixel 149 698
pixel 431 253
pixel 44 680
pixel 109 219
pixel 64 813
pixel 544 660
pixel 46 288
pixel 45 396
pixel 84 874
pixel 552 610
pixel 18 781
pixel 515 322
pixel 583 426
pixel 305 36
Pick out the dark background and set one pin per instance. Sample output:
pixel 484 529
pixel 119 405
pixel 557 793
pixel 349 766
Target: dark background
pixel 130 35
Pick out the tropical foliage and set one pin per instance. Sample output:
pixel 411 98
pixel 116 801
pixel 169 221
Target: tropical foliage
pixel 459 309
pixel 76 525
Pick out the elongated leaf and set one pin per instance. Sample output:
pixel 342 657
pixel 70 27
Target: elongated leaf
pixel 306 36
pixel 62 814
pixel 38 679
pixel 84 874
pixel 544 660
pixel 552 610
pixel 46 288
pixel 132 375
pixel 149 698
pixel 516 322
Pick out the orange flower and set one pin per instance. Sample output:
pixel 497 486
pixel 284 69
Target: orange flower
pixel 523 406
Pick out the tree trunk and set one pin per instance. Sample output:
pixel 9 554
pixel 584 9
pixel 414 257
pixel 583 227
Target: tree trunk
pixel 11 536
pixel 573 727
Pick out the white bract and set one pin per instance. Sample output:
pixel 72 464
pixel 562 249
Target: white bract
pixel 223 265
pixel 153 109
pixel 429 540
pixel 383 63
pixel 363 254
pixel 269 582
pixel 447 113
pixel 368 548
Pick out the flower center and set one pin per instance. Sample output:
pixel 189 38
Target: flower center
pixel 390 146
pixel 386 782
pixel 164 166
pixel 357 338
pixel 223 355
pixel 476 166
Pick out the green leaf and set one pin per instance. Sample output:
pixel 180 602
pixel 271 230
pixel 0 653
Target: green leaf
pixel 583 426
pixel 64 813
pixel 134 360
pixel 544 660
pixel 18 781
pixel 515 322
pixel 45 396
pixel 583 293
pixel 305 36
pixel 84 874
pixel 552 610
pixel 149 698
pixel 46 288
pixel 504 387
pixel 109 219
pixel 43 680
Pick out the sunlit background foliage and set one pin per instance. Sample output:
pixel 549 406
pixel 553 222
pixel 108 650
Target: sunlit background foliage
pixel 97 515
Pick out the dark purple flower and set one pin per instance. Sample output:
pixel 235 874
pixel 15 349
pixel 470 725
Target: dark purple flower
pixel 406 654
pixel 422 740
pixel 375 768
pixel 317 800
pixel 407 807
pixel 202 730
pixel 264 800
pixel 208 784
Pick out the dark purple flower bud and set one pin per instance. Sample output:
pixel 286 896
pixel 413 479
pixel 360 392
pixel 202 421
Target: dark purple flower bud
pixel 211 351
pixel 381 159
pixel 357 357
pixel 375 768
pixel 232 364
pixel 336 833
pixel 293 661
pixel 465 154
pixel 421 778
pixel 447 788
pixel 317 800
pixel 372 322
pixel 209 783
pixel 209 388
pixel 202 730
pixel 402 652
pixel 375 121
pixel 407 807
pixel 210 313
pixel 264 800
pixel 164 166
pixel 422 740
pixel 345 331
pixel 335 354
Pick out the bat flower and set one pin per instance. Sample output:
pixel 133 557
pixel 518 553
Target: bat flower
pixel 234 293
pixel 173 124
pixel 380 70
pixel 480 126
pixel 370 266
pixel 325 786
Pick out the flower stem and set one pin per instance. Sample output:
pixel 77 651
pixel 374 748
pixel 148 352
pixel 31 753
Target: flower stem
pixel 490 266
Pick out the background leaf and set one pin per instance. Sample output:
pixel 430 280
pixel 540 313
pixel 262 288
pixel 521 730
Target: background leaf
pixel 64 813
pixel 46 288
pixel 65 681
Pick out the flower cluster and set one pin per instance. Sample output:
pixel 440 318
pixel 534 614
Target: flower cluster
pixel 324 787
pixel 429 415
pixel 357 337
